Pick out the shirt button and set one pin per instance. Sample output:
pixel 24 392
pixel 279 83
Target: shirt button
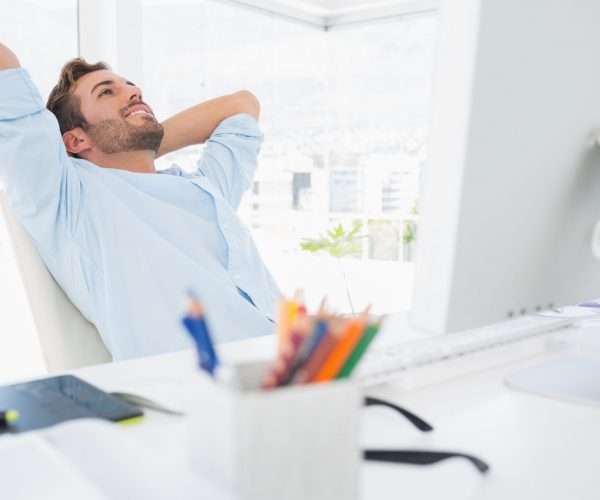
pixel 225 225
pixel 236 276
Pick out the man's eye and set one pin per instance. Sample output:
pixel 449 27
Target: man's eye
pixel 105 92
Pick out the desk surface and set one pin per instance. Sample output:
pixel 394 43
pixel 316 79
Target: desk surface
pixel 538 448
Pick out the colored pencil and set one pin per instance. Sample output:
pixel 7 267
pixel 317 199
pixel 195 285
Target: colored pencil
pixel 278 374
pixel 283 326
pixel 335 361
pixel 327 344
pixel 318 330
pixel 359 350
pixel 288 316
pixel 306 348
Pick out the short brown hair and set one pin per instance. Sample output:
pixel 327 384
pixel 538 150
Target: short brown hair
pixel 62 102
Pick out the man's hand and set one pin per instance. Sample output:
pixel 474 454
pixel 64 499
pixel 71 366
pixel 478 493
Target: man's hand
pixel 196 124
pixel 7 58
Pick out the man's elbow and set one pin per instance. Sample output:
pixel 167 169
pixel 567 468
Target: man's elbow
pixel 249 103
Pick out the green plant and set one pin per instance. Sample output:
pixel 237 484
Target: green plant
pixel 408 236
pixel 410 226
pixel 338 242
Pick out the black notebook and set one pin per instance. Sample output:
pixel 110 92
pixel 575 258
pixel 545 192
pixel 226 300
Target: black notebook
pixel 48 401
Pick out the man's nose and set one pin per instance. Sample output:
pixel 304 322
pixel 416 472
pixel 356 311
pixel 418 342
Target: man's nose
pixel 134 93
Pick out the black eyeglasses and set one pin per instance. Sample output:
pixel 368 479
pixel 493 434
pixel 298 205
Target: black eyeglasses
pixel 418 422
pixel 415 457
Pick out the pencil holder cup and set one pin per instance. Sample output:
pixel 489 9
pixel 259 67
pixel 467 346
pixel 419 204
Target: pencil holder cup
pixel 291 443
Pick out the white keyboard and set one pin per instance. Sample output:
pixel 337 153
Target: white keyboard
pixel 419 363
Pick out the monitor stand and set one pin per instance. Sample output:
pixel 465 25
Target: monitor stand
pixel 572 378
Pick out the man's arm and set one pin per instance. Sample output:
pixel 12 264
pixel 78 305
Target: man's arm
pixel 196 124
pixel 8 59
pixel 40 188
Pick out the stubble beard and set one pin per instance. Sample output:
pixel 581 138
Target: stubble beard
pixel 117 136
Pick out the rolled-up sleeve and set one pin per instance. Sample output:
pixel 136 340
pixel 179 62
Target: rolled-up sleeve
pixel 34 166
pixel 18 95
pixel 230 156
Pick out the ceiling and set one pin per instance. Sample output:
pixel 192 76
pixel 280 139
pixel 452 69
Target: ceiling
pixel 327 14
pixel 332 6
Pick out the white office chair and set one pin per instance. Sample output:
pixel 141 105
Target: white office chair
pixel 67 339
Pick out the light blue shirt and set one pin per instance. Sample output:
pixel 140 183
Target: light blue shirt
pixel 126 246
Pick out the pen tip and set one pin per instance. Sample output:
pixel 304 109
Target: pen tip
pixel 298 296
pixel 194 307
pixel 322 306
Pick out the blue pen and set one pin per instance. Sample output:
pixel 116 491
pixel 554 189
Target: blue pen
pixel 196 326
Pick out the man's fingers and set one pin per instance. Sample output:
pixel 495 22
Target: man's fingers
pixel 8 59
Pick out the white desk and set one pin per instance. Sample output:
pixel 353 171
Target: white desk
pixel 538 448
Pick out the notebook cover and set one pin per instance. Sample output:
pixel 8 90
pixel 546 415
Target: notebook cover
pixel 45 402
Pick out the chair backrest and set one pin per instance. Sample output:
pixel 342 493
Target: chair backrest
pixel 67 339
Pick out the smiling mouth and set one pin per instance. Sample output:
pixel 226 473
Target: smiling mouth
pixel 139 112
pixel 139 109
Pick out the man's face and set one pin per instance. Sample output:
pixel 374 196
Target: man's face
pixel 118 120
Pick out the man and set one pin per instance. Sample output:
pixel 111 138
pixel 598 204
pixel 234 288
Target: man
pixel 123 240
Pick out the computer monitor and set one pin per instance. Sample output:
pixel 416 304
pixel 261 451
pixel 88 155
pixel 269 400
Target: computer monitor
pixel 511 188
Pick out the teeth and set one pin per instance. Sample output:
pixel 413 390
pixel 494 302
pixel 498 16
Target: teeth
pixel 138 112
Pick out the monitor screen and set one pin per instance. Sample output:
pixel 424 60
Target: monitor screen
pixel 511 188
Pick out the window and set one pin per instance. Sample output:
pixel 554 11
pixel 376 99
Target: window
pixel 344 114
pixel 43 34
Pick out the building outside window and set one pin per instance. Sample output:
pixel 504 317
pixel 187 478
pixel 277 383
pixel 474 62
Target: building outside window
pixel 344 114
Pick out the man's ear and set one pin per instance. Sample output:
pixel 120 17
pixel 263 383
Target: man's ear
pixel 76 141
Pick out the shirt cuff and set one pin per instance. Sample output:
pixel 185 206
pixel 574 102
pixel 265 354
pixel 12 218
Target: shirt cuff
pixel 18 95
pixel 242 124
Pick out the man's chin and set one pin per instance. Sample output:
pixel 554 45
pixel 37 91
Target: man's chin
pixel 113 136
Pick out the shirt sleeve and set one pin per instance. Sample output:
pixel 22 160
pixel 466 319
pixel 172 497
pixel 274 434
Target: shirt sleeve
pixel 41 185
pixel 230 156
